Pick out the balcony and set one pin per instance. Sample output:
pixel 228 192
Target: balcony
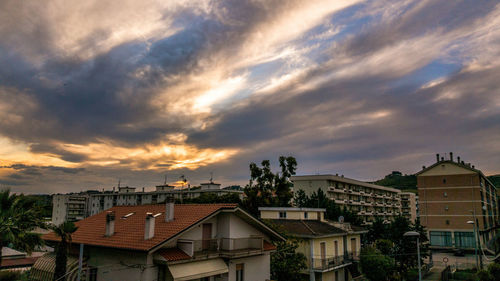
pixel 222 247
pixel 328 263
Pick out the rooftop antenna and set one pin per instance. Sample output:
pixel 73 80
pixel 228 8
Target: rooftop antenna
pixel 118 183
pixel 165 179
pixel 211 177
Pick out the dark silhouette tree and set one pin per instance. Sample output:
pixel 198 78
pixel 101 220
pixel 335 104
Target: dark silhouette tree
pixel 286 263
pixel 64 232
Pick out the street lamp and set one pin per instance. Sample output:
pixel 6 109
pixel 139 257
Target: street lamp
pixel 416 234
pixel 475 242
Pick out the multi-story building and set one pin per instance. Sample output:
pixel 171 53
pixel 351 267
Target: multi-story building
pixel 409 205
pixel 368 200
pixel 69 207
pixel 331 248
pixel 169 242
pixel 75 207
pixel 454 197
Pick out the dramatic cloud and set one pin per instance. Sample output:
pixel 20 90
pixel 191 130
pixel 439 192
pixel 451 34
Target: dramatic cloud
pixel 94 92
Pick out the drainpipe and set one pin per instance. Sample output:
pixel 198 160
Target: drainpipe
pixel 312 276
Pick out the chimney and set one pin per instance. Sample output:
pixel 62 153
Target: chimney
pixel 473 167
pixel 110 223
pixel 113 189
pixel 437 157
pixel 149 229
pixel 442 158
pixel 169 210
pixel 143 189
pixel 423 167
pixel 463 163
pixel 451 156
pixel 458 159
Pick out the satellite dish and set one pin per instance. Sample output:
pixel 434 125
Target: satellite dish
pixel 341 219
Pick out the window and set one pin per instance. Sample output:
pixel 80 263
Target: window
pixel 446 208
pixel 445 194
pixel 337 275
pixel 282 215
pixel 441 238
pixel 305 215
pixel 444 180
pixel 93 274
pixel 447 222
pixel 464 240
pixel 239 272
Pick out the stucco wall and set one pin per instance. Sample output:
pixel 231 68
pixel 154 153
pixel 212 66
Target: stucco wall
pixel 257 268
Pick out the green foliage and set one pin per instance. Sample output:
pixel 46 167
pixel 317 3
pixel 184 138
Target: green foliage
pixel 319 200
pixel 464 275
pixel 18 218
pixel 210 198
pixel 374 265
pixel 495 180
pixel 384 246
pixel 494 270
pixel 399 181
pixel 286 263
pixel 485 275
pixel 267 189
pixel 64 232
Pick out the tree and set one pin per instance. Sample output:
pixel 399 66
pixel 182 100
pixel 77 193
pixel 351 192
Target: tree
pixel 64 232
pixel 374 265
pixel 377 230
pixel 18 218
pixel 268 189
pixel 286 263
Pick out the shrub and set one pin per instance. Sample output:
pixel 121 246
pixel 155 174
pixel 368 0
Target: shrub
pixel 8 275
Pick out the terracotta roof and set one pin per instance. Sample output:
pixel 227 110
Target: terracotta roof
pixel 13 263
pixel 173 254
pixel 129 232
pixel 268 246
pixel 306 227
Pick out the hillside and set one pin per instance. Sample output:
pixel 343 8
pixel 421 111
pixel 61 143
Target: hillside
pixel 398 180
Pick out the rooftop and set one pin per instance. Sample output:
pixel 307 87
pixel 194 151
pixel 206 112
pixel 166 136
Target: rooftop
pixel 342 179
pixel 307 228
pixel 291 209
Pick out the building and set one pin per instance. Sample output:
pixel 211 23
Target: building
pixel 454 194
pixel 368 200
pixel 76 206
pixel 331 248
pixel 409 205
pixel 214 242
pixel 69 207
pixel 15 260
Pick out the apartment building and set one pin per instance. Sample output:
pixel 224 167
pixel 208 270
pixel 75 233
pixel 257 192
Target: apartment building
pixel 76 206
pixel 368 200
pixel 169 242
pixel 409 205
pixel 454 196
pixel 332 249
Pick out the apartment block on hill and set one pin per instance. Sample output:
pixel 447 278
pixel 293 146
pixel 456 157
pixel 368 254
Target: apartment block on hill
pixel 332 249
pixel 171 242
pixel 366 199
pixel 454 197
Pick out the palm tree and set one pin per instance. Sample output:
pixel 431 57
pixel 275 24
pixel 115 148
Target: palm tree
pixel 18 218
pixel 64 232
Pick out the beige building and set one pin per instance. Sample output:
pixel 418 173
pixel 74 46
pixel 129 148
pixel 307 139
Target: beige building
pixel 332 249
pixel 170 242
pixel 409 205
pixel 451 194
pixel 368 200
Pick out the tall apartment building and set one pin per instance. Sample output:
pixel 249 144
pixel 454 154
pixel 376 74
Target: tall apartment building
pixel 73 207
pixel 409 205
pixel 452 195
pixel 368 200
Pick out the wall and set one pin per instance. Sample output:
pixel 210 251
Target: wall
pixel 256 268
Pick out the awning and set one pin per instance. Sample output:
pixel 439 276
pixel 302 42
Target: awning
pixel 198 269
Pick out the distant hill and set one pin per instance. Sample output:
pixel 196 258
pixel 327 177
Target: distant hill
pixel 495 180
pixel 398 180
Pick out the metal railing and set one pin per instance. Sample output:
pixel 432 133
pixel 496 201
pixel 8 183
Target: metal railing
pixel 329 262
pixel 223 245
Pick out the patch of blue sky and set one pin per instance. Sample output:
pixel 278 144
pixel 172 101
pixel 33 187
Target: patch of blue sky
pixel 435 70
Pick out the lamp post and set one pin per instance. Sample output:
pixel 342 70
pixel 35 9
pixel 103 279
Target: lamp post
pixel 416 234
pixel 475 242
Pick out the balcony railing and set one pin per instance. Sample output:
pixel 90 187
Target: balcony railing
pixel 221 246
pixel 329 262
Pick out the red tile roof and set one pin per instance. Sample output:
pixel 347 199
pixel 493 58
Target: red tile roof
pixel 268 246
pixel 14 263
pixel 173 254
pixel 129 232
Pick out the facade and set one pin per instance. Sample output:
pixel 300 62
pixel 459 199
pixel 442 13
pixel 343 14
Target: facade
pixel 409 205
pixel 332 249
pixel 76 206
pixel 368 200
pixel 454 196
pixel 169 242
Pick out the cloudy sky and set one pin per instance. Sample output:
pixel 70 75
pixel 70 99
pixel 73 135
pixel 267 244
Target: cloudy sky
pixel 96 91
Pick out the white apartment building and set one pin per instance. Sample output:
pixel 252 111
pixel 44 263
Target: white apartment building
pixel 409 205
pixel 368 200
pixel 170 242
pixel 77 206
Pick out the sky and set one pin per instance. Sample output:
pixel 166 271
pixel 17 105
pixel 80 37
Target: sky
pixel 96 92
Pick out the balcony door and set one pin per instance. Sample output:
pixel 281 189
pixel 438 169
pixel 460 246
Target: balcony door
pixel 354 248
pixel 206 235
pixel 336 248
pixel 322 247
